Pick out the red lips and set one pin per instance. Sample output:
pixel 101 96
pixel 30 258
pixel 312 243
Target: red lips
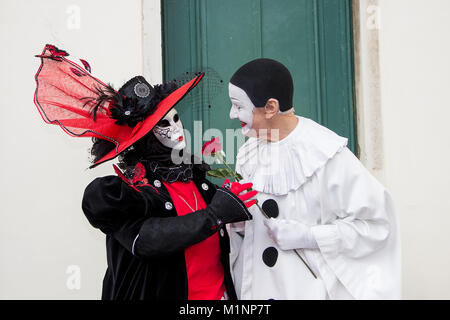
pixel 243 124
pixel 180 138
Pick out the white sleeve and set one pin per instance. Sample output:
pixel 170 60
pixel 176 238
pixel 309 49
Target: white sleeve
pixel 358 236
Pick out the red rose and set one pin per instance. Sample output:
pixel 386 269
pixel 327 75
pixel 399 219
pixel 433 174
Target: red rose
pixel 139 173
pixel 211 147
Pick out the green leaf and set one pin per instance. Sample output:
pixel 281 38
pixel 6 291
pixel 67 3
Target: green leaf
pixel 226 172
pixel 220 173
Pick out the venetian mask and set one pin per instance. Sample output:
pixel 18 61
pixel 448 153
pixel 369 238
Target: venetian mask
pixel 169 131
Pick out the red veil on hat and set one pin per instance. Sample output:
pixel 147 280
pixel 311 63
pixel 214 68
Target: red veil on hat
pixel 83 106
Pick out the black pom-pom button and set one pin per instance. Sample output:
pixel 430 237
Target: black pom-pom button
pixel 270 207
pixel 270 256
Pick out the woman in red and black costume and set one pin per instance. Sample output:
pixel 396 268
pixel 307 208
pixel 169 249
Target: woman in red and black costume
pixel 164 222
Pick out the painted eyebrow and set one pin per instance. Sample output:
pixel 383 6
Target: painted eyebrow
pixel 237 102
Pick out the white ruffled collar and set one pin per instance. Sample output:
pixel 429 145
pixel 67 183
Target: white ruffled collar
pixel 280 167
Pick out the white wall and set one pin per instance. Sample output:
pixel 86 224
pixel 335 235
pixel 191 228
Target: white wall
pixel 43 171
pixel 415 82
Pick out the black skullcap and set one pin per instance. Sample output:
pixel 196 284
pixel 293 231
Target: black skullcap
pixel 263 79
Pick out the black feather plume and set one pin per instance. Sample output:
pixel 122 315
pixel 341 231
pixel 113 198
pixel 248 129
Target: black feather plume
pixel 103 96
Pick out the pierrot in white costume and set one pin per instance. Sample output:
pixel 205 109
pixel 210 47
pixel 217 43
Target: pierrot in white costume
pixel 323 204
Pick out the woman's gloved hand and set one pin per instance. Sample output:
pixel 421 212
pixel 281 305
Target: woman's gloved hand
pixel 161 236
pixel 231 202
pixel 238 188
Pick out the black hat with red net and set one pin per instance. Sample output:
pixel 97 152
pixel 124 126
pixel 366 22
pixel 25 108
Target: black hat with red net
pixel 83 106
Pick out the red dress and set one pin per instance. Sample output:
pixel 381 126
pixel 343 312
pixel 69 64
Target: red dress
pixel 204 269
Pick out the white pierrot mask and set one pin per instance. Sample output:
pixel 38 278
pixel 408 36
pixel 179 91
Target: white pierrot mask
pixel 242 108
pixel 169 131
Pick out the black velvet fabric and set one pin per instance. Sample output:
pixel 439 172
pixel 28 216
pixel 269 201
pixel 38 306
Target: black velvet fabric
pixel 263 79
pixel 152 266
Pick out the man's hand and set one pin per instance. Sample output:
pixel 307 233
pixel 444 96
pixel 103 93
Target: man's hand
pixel 290 234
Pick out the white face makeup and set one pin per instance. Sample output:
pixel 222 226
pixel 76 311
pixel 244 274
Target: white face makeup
pixel 169 131
pixel 241 108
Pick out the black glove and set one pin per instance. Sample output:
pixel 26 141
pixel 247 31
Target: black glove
pixel 228 207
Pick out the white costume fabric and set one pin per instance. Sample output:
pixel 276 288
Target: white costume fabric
pixel 316 180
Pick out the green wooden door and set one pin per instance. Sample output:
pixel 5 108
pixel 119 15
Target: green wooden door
pixel 313 38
